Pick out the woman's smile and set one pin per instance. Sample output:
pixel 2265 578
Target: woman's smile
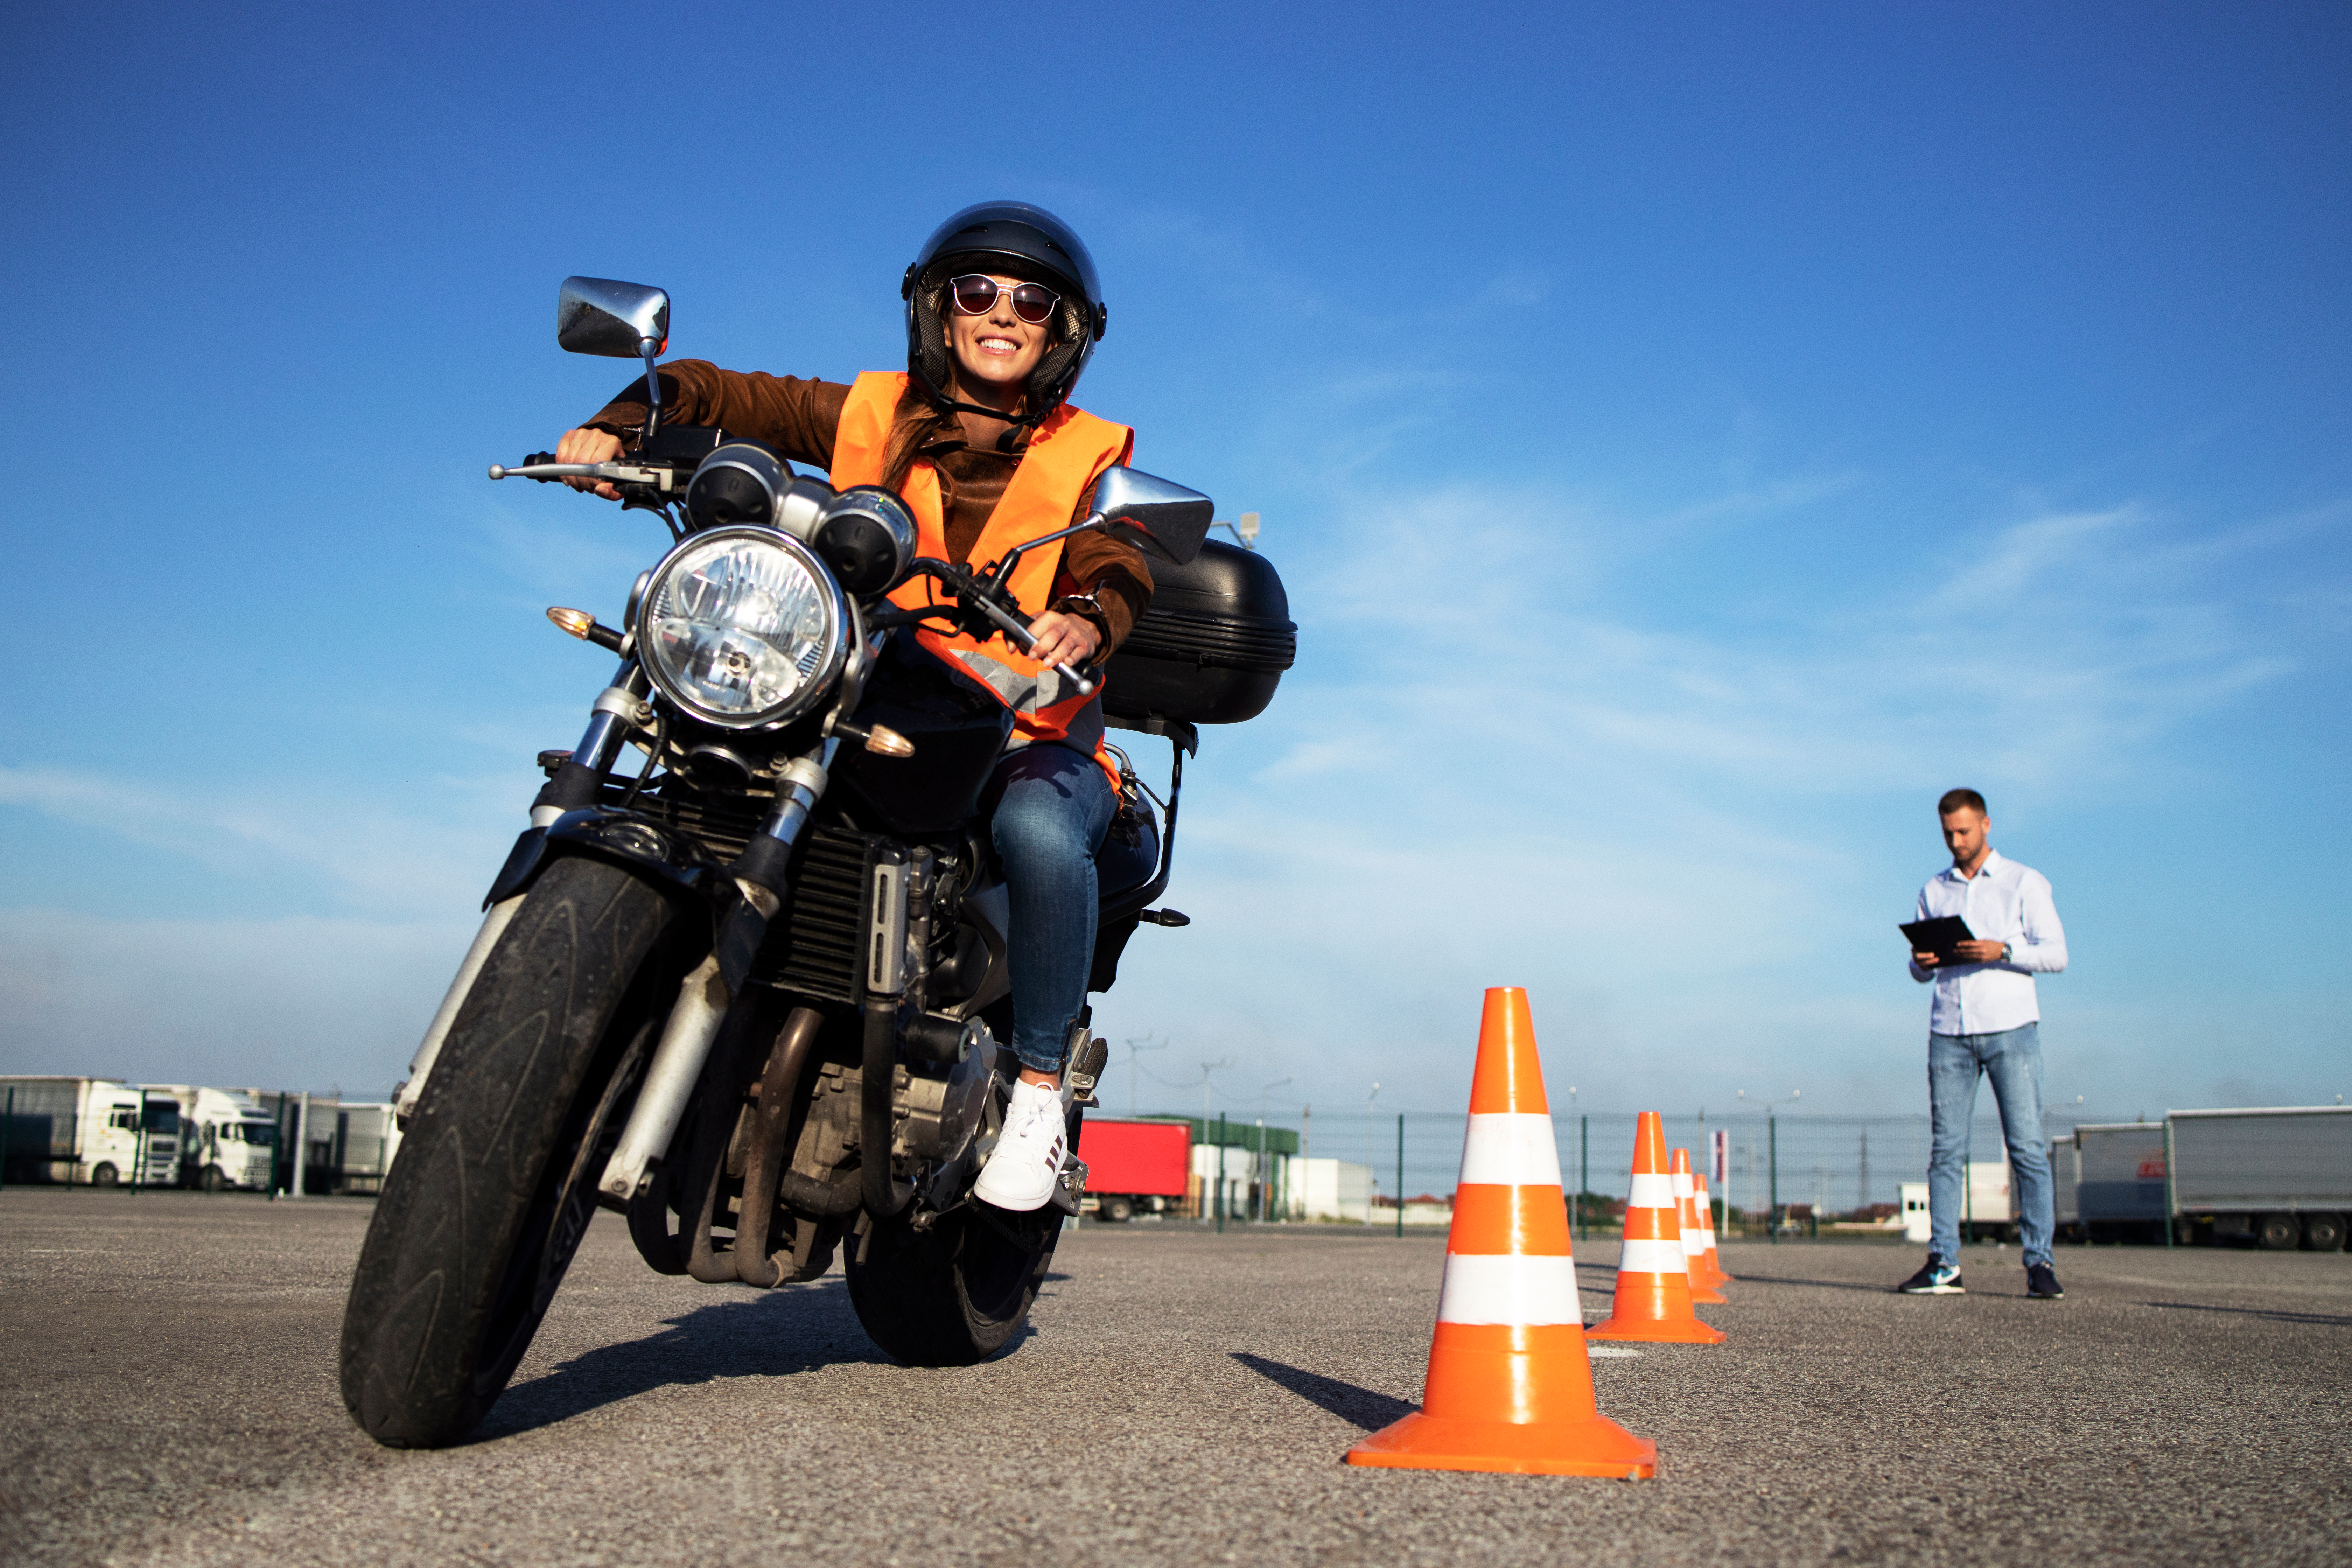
pixel 995 351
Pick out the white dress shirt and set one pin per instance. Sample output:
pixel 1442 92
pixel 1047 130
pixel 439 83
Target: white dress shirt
pixel 2004 902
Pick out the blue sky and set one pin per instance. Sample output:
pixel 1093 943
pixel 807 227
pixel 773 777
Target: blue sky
pixel 1693 436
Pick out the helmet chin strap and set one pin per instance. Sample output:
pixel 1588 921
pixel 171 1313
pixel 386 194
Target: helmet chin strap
pixel 945 403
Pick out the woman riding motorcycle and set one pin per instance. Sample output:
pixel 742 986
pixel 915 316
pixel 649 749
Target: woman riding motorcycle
pixel 978 437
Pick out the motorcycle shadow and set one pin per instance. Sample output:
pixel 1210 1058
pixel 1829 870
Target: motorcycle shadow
pixel 776 1333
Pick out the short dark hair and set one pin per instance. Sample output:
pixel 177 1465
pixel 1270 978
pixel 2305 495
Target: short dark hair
pixel 1955 798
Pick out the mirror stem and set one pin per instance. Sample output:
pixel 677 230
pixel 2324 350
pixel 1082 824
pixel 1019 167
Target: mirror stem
pixel 649 347
pixel 1003 569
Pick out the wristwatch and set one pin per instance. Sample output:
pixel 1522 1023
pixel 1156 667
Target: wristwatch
pixel 1089 606
pixel 2005 953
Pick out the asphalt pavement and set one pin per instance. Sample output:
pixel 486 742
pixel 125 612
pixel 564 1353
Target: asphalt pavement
pixel 168 1366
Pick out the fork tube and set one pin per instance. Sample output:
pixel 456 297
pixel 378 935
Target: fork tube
pixel 575 784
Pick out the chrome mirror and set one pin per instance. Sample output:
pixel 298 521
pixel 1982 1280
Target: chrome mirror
pixel 599 316
pixel 1157 517
pixel 618 321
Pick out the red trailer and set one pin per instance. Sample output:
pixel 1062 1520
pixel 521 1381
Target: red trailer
pixel 1134 1165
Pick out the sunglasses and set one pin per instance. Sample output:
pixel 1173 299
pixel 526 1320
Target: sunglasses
pixel 975 295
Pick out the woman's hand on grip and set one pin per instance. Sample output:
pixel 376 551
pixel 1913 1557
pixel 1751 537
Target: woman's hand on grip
pixel 590 446
pixel 1064 639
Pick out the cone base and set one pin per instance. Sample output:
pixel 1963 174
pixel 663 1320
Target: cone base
pixel 1657 1332
pixel 1595 1448
pixel 1707 1296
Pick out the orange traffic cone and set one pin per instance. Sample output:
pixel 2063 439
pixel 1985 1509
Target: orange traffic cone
pixel 1716 1275
pixel 1511 1387
pixel 1702 1283
pixel 1654 1296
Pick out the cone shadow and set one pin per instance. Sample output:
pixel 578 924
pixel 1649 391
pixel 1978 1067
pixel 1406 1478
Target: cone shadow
pixel 1358 1407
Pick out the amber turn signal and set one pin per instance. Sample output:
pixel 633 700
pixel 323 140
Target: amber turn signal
pixel 581 625
pixel 882 741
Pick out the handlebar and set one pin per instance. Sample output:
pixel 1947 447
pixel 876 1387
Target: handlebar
pixel 664 478
pixel 976 593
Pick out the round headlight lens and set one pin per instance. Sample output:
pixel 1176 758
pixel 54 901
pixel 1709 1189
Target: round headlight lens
pixel 741 626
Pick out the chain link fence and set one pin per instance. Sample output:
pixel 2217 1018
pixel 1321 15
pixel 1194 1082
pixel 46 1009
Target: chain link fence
pixel 1805 1173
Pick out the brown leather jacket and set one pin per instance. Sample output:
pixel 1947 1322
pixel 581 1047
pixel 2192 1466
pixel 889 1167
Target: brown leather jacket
pixel 798 418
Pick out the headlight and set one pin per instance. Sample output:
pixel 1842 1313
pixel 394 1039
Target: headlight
pixel 742 627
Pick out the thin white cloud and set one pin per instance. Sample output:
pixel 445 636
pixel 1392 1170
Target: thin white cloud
pixel 330 842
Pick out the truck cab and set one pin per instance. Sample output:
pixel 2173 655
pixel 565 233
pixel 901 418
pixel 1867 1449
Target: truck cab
pixel 131 1137
pixel 231 1143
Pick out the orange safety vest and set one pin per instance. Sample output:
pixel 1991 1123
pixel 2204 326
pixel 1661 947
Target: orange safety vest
pixel 1069 449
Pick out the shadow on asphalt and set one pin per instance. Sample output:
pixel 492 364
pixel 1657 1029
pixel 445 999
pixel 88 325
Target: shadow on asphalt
pixel 774 1334
pixel 1360 1406
pixel 2325 1319
pixel 1823 1284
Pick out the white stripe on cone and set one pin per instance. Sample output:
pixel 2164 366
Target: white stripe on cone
pixel 1682 1182
pixel 1510 1150
pixel 1644 1257
pixel 1693 1244
pixel 1652 1192
pixel 1503 1287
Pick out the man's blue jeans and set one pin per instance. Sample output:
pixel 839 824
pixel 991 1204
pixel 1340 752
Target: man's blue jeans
pixel 2012 1059
pixel 1053 807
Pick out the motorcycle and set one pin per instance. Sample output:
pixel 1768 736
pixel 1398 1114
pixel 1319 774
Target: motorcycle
pixel 748 993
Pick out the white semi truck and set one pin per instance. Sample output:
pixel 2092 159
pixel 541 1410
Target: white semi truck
pixel 227 1141
pixel 97 1130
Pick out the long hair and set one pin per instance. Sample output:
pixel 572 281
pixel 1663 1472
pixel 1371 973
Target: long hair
pixel 914 424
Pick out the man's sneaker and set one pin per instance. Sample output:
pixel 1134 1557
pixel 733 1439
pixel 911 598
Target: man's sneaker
pixel 2042 1282
pixel 1019 1176
pixel 1940 1277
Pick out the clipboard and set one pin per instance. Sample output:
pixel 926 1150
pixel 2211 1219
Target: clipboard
pixel 1942 936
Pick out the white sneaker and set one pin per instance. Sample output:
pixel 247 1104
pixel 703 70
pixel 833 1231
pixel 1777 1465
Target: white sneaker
pixel 1020 1172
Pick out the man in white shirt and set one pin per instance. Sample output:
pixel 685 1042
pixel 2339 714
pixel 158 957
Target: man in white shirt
pixel 1985 1021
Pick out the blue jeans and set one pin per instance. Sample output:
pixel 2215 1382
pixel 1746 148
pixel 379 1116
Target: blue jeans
pixel 1053 807
pixel 2012 1059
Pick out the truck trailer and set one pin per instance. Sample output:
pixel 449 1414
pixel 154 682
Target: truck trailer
pixel 2280 1177
pixel 95 1130
pixel 367 1136
pixel 1135 1166
pixel 2119 1180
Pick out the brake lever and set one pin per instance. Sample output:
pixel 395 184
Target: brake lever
pixel 978 592
pixel 1028 639
pixel 661 477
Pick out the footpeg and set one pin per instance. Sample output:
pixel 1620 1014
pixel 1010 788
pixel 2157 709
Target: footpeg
pixel 1069 1188
pixel 1086 1071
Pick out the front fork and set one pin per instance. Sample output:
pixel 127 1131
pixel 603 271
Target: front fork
pixel 574 784
pixel 706 994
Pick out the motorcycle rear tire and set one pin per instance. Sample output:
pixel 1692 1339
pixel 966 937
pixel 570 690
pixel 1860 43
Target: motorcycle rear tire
pixel 496 1183
pixel 955 1294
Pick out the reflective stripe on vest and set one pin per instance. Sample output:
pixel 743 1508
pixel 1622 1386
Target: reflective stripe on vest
pixel 1068 451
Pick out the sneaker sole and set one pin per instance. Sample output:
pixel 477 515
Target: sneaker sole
pixel 1933 1290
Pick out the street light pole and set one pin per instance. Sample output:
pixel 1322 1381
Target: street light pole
pixel 1134 1087
pixel 1265 1161
pixel 1772 1166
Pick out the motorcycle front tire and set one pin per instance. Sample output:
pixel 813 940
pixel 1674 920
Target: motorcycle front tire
pixel 494 1184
